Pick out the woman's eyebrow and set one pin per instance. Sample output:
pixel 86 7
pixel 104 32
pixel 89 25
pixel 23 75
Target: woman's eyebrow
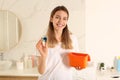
pixel 59 16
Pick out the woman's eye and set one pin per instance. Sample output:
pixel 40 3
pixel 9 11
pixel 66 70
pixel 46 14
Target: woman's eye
pixel 64 18
pixel 57 17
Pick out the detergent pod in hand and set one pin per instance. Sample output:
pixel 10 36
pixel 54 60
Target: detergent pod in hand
pixel 44 40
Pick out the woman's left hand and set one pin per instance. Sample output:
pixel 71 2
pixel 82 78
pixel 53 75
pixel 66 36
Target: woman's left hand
pixel 78 68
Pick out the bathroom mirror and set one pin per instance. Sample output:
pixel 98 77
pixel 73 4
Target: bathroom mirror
pixel 10 30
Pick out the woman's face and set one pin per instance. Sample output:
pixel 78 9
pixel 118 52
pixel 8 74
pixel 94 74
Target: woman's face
pixel 59 20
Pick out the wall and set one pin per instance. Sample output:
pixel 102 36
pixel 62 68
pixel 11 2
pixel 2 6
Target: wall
pixel 99 36
pixel 102 23
pixel 34 17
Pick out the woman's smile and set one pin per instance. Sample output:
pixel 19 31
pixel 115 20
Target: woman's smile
pixel 60 25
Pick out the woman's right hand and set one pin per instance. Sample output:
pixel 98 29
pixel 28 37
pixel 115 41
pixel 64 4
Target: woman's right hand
pixel 42 49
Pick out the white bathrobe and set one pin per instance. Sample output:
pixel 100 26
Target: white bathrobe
pixel 57 64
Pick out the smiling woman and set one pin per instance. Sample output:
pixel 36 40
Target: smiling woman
pixel 53 59
pixel 10 30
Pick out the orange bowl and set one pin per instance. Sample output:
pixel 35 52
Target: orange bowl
pixel 78 59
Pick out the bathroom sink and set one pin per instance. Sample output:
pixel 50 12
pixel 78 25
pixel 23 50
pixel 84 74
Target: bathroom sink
pixel 5 64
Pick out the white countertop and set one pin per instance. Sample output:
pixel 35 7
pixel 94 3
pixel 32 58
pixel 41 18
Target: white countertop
pixel 25 72
pixel 107 74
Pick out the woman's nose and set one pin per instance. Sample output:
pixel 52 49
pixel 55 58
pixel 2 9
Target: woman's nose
pixel 60 20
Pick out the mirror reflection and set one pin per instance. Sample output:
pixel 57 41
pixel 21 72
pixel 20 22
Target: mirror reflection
pixel 10 30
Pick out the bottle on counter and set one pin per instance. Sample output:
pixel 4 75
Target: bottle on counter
pixel 118 63
pixel 29 62
pixel 19 65
pixel 25 61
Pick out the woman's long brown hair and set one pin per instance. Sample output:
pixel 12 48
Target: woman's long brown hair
pixel 65 40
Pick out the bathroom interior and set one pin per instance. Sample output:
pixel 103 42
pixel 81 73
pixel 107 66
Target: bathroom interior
pixel 96 23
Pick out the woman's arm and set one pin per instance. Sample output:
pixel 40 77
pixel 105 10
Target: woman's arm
pixel 41 64
pixel 43 50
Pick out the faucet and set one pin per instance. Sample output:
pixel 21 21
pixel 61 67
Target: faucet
pixel 1 56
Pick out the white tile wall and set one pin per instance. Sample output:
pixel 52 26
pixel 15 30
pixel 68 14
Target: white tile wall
pixel 34 17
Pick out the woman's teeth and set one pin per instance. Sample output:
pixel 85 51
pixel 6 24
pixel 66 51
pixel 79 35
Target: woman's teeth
pixel 60 25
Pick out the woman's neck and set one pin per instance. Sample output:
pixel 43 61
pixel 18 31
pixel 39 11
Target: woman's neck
pixel 58 35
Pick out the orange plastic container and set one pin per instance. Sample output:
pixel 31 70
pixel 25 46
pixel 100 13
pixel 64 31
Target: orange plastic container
pixel 78 59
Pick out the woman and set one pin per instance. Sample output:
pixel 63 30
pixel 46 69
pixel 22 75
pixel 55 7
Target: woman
pixel 53 60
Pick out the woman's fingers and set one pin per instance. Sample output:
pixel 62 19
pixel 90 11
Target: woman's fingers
pixel 78 68
pixel 42 49
pixel 38 44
